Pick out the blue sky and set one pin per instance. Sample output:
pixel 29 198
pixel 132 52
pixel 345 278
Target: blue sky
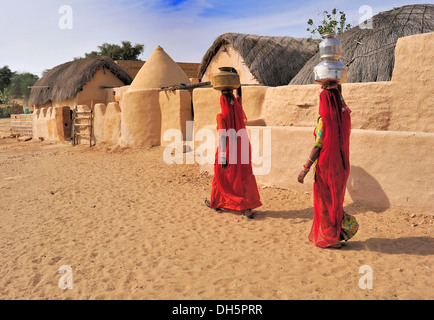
pixel 32 40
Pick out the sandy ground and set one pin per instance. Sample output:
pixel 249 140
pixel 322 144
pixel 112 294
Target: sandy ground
pixel 132 227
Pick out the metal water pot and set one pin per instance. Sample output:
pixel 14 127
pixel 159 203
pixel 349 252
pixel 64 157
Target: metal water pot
pixel 330 47
pixel 226 79
pixel 330 68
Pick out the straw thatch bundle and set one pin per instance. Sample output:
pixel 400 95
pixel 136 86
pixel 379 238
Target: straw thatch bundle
pixel 370 53
pixel 66 80
pixel 273 61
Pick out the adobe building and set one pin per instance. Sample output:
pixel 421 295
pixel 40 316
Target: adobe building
pixel 78 82
pixel 82 82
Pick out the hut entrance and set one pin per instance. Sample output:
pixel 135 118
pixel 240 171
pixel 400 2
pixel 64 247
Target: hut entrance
pixel 63 123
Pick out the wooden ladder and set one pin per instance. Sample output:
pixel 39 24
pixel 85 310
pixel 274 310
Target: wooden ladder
pixel 77 116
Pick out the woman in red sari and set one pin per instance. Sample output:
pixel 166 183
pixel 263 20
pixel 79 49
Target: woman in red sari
pixel 234 185
pixel 330 155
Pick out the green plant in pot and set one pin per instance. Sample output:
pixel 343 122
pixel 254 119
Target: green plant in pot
pixel 328 24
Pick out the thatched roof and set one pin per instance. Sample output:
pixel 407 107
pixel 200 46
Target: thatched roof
pixel 273 61
pixel 66 80
pixel 370 53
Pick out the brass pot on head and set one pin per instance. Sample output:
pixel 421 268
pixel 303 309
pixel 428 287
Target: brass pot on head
pixel 226 79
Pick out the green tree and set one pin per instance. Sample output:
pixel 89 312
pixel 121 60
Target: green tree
pixel 5 96
pixel 125 52
pixel 5 77
pixel 20 83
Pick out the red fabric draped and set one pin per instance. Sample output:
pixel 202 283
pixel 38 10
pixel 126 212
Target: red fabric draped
pixel 234 187
pixel 332 169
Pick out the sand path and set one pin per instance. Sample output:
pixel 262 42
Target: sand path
pixel 132 227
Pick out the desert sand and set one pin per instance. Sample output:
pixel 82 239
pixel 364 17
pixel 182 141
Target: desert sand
pixel 131 226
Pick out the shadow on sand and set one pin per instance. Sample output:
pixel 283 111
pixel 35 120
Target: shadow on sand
pixel 305 214
pixel 308 213
pixel 365 189
pixel 422 246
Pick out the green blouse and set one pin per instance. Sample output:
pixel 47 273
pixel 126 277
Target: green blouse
pixel 318 142
pixel 318 134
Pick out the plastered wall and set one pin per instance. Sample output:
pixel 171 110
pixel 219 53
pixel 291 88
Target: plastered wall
pixel 52 124
pixel 107 123
pixel 382 165
pixel 140 118
pixel 176 110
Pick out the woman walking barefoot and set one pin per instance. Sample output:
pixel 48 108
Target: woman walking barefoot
pixel 234 185
pixel 330 155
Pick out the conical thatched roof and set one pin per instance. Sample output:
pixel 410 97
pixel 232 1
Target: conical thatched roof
pixel 159 71
pixel 273 61
pixel 66 80
pixel 370 53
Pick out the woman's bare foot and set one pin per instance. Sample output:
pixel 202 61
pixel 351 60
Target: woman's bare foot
pixel 336 245
pixel 248 214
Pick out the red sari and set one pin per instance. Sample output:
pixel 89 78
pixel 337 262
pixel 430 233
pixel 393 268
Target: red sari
pixel 332 169
pixel 234 187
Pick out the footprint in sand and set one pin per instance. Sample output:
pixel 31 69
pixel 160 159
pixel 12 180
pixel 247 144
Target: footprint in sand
pixel 54 260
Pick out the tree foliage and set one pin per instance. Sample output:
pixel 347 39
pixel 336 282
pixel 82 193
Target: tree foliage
pixel 5 96
pixel 125 52
pixel 14 85
pixel 20 83
pixel 5 77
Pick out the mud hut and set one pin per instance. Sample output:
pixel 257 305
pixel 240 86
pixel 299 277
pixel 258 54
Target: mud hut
pixel 263 60
pixel 78 82
pixel 370 53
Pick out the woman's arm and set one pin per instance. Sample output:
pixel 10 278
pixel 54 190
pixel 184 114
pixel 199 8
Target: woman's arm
pixel 239 92
pixel 222 156
pixel 316 150
pixel 221 129
pixel 314 154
